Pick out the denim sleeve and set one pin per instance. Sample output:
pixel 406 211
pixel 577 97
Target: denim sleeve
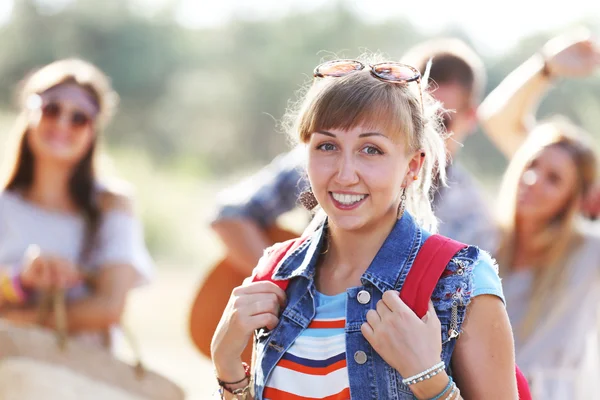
pixel 485 277
pixel 266 195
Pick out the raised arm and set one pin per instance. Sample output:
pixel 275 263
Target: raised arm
pixel 507 114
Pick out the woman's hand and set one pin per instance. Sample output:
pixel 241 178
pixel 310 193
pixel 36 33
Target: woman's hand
pixel 45 272
pixel 251 306
pixel 407 343
pixel 572 55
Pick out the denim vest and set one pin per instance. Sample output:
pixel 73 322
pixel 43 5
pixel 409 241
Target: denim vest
pixel 373 378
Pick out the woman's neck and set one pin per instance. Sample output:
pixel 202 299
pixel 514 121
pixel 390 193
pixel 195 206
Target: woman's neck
pixel 348 254
pixel 50 187
pixel 525 250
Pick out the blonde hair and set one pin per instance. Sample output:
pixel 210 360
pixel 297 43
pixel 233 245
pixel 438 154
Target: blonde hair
pixel 560 237
pixel 359 99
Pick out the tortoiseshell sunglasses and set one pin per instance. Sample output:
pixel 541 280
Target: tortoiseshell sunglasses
pixel 392 72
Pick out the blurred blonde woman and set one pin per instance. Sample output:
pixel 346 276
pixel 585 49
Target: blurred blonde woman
pixel 549 259
pixel 61 228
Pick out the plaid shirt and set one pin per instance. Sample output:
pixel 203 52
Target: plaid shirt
pixel 266 195
pixel 463 212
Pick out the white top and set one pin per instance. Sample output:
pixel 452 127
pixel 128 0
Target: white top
pixel 562 356
pixel 119 239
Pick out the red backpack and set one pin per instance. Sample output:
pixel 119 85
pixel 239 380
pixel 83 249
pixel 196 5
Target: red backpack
pixel 428 267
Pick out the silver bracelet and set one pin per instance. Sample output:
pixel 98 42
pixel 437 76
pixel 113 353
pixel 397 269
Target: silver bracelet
pixel 427 374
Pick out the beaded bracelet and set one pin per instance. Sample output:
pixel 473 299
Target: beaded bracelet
pixel 453 392
pixel 427 374
pixel 448 387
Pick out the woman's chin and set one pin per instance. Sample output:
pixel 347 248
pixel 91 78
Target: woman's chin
pixel 62 155
pixel 347 222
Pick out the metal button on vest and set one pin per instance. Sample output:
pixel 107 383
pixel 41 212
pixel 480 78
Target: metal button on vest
pixel 360 357
pixel 363 297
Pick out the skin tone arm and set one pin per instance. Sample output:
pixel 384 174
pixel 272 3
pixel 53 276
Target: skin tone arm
pixel 483 359
pixel 508 113
pixel 246 237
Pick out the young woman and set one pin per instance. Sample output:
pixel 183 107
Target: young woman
pixel 61 228
pixel 340 330
pixel 548 255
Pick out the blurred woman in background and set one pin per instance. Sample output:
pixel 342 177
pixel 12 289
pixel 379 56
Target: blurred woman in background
pixel 549 259
pixel 61 228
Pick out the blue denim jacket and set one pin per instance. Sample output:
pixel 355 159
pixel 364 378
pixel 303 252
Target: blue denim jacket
pixel 373 378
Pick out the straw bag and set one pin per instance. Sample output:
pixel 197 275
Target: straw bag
pixel 38 363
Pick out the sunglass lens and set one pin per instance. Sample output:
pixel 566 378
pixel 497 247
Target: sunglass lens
pixel 395 72
pixel 338 68
pixel 79 119
pixel 51 110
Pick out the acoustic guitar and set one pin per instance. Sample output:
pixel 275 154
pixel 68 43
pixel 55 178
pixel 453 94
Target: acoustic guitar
pixel 214 293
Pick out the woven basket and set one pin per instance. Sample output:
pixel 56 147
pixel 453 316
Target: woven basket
pixel 37 363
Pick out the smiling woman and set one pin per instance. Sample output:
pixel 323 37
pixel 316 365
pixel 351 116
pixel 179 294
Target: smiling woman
pixel 339 330
pixel 61 228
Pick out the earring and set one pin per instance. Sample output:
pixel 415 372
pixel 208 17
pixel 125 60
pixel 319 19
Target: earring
pixel 402 205
pixel 308 200
pixel 416 177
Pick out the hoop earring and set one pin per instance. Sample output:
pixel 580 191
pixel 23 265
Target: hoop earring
pixel 402 205
pixel 308 200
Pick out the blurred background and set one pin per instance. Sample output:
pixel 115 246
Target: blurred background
pixel 203 87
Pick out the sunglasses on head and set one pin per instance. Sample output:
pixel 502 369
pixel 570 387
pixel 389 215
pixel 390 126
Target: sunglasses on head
pixel 53 110
pixel 392 72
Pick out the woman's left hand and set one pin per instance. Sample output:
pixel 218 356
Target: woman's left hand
pixel 406 342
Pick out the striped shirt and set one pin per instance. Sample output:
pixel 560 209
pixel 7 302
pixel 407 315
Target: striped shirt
pixel 315 365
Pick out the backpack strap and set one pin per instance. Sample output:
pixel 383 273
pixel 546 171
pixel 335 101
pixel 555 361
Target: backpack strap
pixel 427 269
pixel 274 259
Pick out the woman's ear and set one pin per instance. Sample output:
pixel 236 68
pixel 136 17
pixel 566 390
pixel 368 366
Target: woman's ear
pixel 415 165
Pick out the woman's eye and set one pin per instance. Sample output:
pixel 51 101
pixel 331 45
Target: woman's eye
pixel 554 179
pixel 326 147
pixel 371 150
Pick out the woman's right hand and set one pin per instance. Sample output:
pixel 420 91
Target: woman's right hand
pixel 252 306
pixel 45 272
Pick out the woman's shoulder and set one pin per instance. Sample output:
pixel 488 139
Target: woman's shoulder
pixel 115 196
pixel 471 272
